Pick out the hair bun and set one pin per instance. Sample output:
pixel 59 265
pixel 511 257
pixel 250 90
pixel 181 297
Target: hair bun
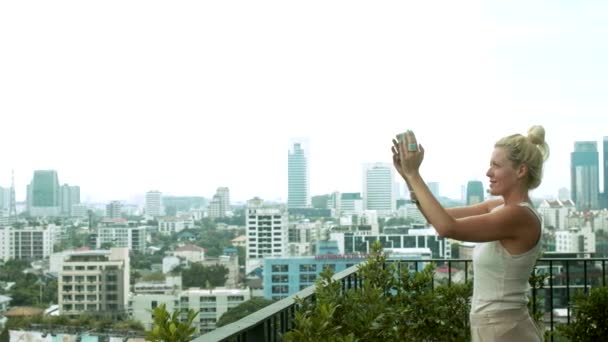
pixel 536 135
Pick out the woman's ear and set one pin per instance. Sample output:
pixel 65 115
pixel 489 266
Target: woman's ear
pixel 522 171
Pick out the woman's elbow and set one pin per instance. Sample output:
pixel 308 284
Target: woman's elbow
pixel 444 232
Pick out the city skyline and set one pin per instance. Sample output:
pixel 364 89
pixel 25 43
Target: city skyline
pixel 187 98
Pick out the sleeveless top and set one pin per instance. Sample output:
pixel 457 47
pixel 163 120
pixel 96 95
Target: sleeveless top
pixel 500 280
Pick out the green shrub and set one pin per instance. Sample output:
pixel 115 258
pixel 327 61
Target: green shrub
pixel 390 306
pixel 590 321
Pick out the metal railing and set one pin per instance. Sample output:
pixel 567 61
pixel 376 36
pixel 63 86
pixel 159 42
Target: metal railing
pixel 563 278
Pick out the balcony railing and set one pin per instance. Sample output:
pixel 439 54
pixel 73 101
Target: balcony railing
pixel 564 277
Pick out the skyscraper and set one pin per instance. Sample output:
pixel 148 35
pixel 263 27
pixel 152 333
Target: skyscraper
pixel 605 160
pixel 154 203
pixel 378 188
pixel 44 197
pixel 584 175
pixel 298 177
pixel 70 195
pixel 474 192
pixel 267 231
pixel 220 203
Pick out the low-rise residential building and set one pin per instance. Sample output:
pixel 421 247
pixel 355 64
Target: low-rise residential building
pixel 94 282
pixel 190 252
pixel 169 225
pixel 133 238
pixel 30 243
pixel 210 304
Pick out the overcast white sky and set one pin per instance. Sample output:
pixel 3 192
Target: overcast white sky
pixel 122 97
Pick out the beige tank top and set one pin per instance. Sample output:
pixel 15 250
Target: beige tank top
pixel 500 280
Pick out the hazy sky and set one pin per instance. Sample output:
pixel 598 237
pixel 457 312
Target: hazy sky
pixel 122 97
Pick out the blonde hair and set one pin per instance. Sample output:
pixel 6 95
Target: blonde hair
pixel 531 150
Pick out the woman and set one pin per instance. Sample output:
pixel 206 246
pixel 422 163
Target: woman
pixel 507 229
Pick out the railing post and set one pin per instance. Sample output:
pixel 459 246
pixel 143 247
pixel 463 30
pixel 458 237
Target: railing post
pixel 551 294
pixel 568 290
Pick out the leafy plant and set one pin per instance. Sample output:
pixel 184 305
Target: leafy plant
pixel 169 327
pixel 590 321
pixel 392 304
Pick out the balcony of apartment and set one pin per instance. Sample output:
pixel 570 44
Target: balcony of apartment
pixel 551 300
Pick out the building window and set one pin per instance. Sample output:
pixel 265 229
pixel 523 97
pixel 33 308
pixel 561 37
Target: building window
pixel 308 268
pixel 280 268
pixel 280 278
pixel 308 278
pixel 280 289
pixel 154 304
pixel 236 298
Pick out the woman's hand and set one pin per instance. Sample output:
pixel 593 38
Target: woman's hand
pixel 407 155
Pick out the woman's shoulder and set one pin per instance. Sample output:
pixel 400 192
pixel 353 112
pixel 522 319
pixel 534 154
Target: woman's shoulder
pixel 494 203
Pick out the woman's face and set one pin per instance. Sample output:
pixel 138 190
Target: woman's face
pixel 502 174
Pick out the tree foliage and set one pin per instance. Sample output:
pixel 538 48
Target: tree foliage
pixel 393 304
pixel 214 241
pixel 170 327
pixel 204 276
pixel 242 310
pixel 590 317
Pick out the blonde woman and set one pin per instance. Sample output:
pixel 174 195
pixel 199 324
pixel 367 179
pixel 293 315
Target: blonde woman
pixel 507 230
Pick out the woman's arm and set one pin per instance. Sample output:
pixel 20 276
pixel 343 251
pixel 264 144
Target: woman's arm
pixel 475 209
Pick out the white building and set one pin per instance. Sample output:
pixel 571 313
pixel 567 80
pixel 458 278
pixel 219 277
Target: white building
pixel 267 232
pixel 154 203
pixel 555 213
pixel 169 225
pixel 210 304
pixel 298 187
pixel 171 285
pixel 302 235
pixel 95 282
pixel 191 253
pixel 220 203
pixel 346 204
pixel 378 188
pixel 133 238
pixel 575 240
pixel 33 243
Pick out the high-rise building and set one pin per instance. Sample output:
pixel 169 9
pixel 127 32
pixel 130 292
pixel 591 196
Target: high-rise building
pixel 220 203
pixel 298 186
pixel 154 203
pixel 584 175
pixel 70 195
pixel 474 192
pixel 604 203
pixel 94 282
pixel 5 199
pixel 114 209
pixel 267 231
pixel 378 188
pixel 351 203
pixel 44 196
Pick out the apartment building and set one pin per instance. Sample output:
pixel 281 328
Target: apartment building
pixel 94 282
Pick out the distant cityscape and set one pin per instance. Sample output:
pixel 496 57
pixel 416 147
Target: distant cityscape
pixel 123 259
